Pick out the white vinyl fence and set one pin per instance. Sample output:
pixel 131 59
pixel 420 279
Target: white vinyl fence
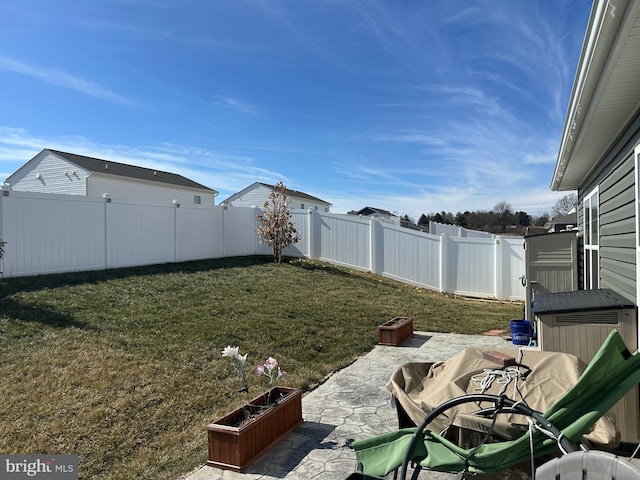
pixel 455 231
pixel 62 233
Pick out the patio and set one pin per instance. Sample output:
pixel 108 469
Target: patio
pixel 352 404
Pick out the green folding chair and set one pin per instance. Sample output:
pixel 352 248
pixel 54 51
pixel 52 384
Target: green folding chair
pixel 612 373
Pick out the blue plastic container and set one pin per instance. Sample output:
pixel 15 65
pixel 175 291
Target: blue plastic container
pixel 520 332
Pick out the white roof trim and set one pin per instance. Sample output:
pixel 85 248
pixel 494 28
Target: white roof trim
pixel 608 30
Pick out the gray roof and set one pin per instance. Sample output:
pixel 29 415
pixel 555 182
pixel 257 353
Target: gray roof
pixel 569 218
pixel 371 211
pixel 124 170
pixel 288 192
pixel 296 193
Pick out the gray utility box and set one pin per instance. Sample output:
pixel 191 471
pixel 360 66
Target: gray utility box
pixel 551 265
pixel 577 323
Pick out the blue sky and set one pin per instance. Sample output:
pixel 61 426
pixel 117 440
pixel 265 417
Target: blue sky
pixel 406 105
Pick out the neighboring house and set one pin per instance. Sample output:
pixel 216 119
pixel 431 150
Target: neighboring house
pixel 600 149
pixel 380 214
pixel 52 171
pixel 256 194
pixel 562 223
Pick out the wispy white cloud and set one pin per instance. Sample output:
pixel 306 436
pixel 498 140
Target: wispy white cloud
pixel 61 78
pixel 144 33
pixel 233 104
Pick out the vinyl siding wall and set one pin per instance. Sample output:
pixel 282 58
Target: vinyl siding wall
pixel 57 175
pixel 260 194
pixel 139 191
pixel 615 178
pixel 617 230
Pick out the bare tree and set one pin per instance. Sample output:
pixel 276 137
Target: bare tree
pixel 501 208
pixel 275 227
pixel 565 205
pixel 503 213
pixel 541 219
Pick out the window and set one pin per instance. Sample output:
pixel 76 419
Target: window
pixel 302 206
pixel 197 199
pixel 591 242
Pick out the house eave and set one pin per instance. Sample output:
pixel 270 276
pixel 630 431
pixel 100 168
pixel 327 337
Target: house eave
pixel 605 94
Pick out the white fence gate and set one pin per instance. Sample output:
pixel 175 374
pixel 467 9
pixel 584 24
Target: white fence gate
pixel 62 233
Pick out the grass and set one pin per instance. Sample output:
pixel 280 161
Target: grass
pixel 123 367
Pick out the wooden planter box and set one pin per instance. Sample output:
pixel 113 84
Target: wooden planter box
pixel 395 331
pixel 237 447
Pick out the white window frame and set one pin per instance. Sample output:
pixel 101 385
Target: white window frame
pixel 636 162
pixel 591 237
pixel 636 156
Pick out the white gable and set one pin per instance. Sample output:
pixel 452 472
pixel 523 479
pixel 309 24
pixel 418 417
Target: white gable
pixel 257 194
pixel 49 173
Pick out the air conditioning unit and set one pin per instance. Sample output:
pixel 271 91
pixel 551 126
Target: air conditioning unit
pixel 578 322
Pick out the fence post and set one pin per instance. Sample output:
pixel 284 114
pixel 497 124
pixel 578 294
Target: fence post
pixel 176 204
pixel 310 231
pixel 497 287
pixel 107 247
pixel 374 266
pixel 256 244
pixel 223 228
pixel 443 263
pixel 5 193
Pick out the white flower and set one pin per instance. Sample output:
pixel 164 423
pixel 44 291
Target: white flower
pixel 238 362
pixel 231 352
pixel 234 354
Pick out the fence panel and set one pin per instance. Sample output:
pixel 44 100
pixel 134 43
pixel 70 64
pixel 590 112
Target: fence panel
pixel 444 229
pixel 301 220
pixel 51 233
pixel 198 233
pixel 411 257
pixel 239 231
pixel 513 267
pixel 140 234
pixel 470 266
pixel 345 240
pixel 455 231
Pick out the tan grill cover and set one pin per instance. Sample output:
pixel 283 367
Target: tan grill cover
pixel 420 387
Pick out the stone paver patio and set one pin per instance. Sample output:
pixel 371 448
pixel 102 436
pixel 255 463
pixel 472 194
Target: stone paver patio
pixel 352 404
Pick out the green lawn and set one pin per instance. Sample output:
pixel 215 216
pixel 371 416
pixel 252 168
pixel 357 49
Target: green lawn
pixel 123 367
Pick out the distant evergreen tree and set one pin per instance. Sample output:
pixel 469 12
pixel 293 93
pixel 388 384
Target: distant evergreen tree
pixel 461 219
pixel 541 219
pixel 523 219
